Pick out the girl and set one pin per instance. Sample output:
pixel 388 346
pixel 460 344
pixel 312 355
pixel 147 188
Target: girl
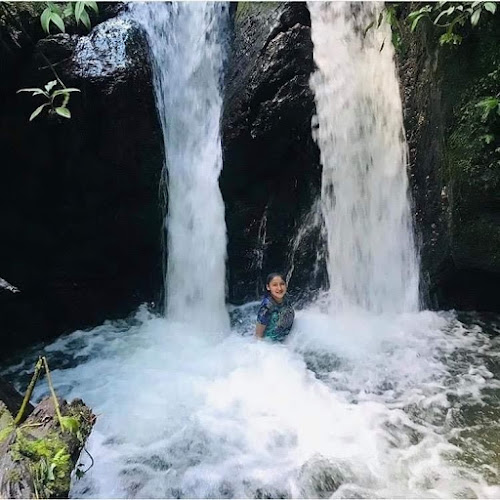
pixel 275 316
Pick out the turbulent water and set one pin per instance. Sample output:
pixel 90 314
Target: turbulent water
pixel 372 262
pixel 375 403
pixel 352 406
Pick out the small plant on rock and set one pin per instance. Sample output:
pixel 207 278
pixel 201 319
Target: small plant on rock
pixel 56 99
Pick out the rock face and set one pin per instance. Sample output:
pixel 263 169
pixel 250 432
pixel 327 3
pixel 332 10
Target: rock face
pixel 455 172
pixel 79 212
pixel 271 176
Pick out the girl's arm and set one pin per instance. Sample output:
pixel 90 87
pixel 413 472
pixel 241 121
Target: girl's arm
pixel 259 330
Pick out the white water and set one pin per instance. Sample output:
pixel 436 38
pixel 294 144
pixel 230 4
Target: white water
pixel 354 405
pixel 372 262
pixel 187 59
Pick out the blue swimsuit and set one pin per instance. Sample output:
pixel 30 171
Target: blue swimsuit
pixel 278 318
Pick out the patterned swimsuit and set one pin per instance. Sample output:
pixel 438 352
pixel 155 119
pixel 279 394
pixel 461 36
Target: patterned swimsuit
pixel 278 318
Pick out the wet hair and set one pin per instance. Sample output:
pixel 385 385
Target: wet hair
pixel 271 276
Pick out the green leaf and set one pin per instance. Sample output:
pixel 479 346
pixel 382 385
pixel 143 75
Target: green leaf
pixel 79 8
pixel 474 19
pixel 475 4
pixel 68 423
pixel 490 7
pixel 56 19
pixel 79 473
pixel 54 7
pixel 38 91
pixel 93 6
pixel 64 112
pixel 64 91
pixel 86 19
pixel 50 85
pixel 446 12
pixel 487 138
pixel 415 22
pixel 50 472
pixel 68 10
pixel 450 38
pixel 45 19
pixel 37 111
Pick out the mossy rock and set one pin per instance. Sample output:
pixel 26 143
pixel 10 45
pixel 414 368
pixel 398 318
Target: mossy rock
pixel 471 168
pixel 37 457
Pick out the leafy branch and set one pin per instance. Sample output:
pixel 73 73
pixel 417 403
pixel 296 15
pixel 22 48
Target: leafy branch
pixel 449 16
pixel 57 14
pixel 53 96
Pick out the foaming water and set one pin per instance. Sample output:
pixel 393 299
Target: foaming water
pixel 393 404
pixel 367 406
pixel 372 262
pixel 187 56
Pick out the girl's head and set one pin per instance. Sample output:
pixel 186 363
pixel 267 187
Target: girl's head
pixel 276 286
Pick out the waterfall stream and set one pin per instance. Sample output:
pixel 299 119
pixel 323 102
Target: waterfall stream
pixel 368 397
pixel 372 262
pixel 186 46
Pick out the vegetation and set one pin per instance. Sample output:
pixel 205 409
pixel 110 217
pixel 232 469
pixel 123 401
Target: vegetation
pixel 48 458
pixel 450 16
pixel 55 92
pixel 58 13
pixel 57 99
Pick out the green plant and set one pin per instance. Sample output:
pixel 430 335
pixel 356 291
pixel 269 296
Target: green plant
pixel 449 16
pixel 490 108
pixel 56 99
pixel 490 116
pixel 58 13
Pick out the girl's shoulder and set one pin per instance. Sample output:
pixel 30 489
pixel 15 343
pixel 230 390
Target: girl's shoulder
pixel 266 301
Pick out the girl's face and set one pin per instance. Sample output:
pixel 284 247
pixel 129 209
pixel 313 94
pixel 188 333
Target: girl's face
pixel 277 288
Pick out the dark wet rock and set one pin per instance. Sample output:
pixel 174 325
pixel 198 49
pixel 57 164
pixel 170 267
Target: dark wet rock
pixel 271 174
pixel 455 175
pixel 11 398
pixel 79 210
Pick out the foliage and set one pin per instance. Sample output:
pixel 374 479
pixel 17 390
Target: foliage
pixel 489 107
pixel 48 458
pixel 49 462
pixel 58 13
pixel 450 16
pixel 57 99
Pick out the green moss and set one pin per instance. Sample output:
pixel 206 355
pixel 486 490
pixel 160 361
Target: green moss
pixel 13 476
pixel 6 423
pixel 471 168
pixel 48 459
pixel 245 9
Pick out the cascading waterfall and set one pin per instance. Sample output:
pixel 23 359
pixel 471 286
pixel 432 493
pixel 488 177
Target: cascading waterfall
pixel 187 54
pixel 372 262
pixel 356 405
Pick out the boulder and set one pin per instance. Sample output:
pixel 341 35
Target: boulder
pixel 454 167
pixel 79 211
pixel 271 176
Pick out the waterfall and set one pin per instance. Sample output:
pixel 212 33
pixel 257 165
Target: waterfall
pixel 372 262
pixel 187 56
